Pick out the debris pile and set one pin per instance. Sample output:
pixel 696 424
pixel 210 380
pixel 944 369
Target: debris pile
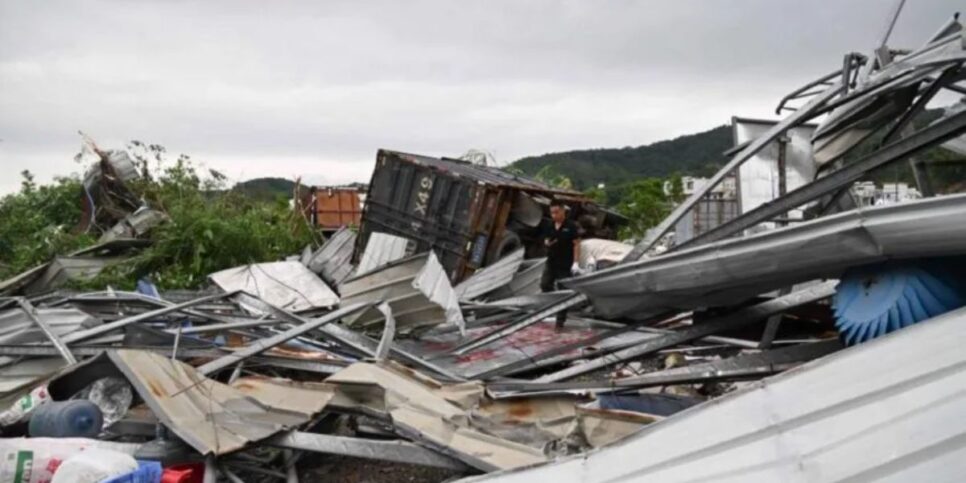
pixel 827 334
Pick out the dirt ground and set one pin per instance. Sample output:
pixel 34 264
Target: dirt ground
pixel 357 470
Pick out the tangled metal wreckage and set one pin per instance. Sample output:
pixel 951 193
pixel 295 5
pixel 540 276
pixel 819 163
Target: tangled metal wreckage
pixel 805 339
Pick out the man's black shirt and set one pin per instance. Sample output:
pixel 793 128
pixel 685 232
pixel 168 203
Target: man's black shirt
pixel 560 254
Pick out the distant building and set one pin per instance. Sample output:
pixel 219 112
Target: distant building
pixel 726 189
pixel 896 193
pixel 717 207
pixel 866 193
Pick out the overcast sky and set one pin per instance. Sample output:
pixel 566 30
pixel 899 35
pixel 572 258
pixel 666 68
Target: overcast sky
pixel 313 89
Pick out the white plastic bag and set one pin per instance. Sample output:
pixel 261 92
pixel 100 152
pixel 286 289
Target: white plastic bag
pixel 35 460
pixel 94 465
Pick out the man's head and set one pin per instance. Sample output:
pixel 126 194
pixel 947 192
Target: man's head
pixel 558 211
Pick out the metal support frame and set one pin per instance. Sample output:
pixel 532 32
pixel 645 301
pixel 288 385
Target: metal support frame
pixel 808 111
pixel 534 361
pixel 735 320
pixel 397 451
pixel 120 323
pixel 740 367
pixel 31 313
pixel 917 107
pixel 33 350
pixel 263 345
pixel 548 311
pixel 353 340
pixel 922 139
pixel 138 297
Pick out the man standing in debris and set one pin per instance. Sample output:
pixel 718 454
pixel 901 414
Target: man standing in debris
pixel 561 236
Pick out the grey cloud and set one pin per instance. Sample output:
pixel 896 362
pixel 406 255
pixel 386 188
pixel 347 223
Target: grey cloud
pixel 319 86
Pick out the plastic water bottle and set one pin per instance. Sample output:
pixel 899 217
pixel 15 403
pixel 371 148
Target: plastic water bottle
pixel 66 419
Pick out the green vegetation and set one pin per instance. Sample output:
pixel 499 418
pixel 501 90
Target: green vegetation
pixel 210 227
pixel 265 189
pixel 695 154
pixel 35 223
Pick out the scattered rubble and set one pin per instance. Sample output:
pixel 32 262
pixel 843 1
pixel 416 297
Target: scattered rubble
pixel 420 341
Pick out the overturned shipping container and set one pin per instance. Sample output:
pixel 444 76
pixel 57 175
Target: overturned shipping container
pixel 470 215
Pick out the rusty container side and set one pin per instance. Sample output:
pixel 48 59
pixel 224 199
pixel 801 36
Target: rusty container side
pixel 337 207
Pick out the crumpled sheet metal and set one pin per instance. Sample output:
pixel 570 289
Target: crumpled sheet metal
pixel 289 285
pixel 381 249
pixel 83 264
pixel 416 288
pixel 304 398
pixel 602 427
pixel 17 328
pixel 211 417
pixel 729 271
pixel 135 225
pixel 521 345
pixel 849 124
pixel 525 282
pixel 23 375
pixel 491 277
pixel 333 261
pixel 758 177
pixel 886 410
pixel 424 410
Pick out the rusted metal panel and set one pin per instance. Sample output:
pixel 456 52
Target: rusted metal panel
pixel 430 413
pixel 337 207
pixel 211 417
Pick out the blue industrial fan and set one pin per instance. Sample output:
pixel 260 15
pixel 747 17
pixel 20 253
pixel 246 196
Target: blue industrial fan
pixel 877 299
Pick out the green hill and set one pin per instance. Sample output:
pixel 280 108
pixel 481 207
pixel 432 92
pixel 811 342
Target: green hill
pixel 701 155
pixel 693 154
pixel 266 189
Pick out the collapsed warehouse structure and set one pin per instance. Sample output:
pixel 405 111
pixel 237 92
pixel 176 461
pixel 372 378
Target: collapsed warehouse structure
pixel 827 337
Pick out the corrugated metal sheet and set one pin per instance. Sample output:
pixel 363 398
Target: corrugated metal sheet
pixel 521 345
pixel 525 282
pixel 887 410
pixel 17 328
pixel 289 285
pixel 381 249
pixel 416 288
pixel 430 413
pixel 64 269
pixel 897 84
pixel 304 398
pixel 208 415
pixel 26 373
pixel 333 261
pixel 491 277
pixel 729 271
pixel 758 177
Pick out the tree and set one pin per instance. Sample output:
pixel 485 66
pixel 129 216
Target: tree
pixel 645 205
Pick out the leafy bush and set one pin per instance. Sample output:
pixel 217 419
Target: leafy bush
pixel 210 228
pixel 645 204
pixel 36 223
